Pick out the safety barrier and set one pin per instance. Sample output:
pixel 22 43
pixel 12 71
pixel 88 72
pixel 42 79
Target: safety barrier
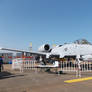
pixel 29 64
pixel 23 64
pixel 68 66
pixel 74 66
pixel 65 66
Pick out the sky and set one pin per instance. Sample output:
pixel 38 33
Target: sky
pixel 44 21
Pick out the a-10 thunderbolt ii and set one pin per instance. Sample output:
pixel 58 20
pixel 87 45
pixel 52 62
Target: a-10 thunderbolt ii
pixel 74 50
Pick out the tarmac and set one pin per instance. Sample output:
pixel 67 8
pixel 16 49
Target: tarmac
pixel 30 81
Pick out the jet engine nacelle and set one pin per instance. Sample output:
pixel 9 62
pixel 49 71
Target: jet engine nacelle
pixel 44 48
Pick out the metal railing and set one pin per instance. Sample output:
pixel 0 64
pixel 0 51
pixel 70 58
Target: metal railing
pixel 65 66
pixel 73 66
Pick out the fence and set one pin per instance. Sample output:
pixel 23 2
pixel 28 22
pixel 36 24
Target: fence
pixel 29 64
pixel 23 64
pixel 74 66
pixel 65 66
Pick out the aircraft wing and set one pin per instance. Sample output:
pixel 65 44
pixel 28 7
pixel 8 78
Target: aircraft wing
pixel 23 51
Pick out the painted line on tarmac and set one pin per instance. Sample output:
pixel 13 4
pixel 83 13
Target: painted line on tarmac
pixel 78 80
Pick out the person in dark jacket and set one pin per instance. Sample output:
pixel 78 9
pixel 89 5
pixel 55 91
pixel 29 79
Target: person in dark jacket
pixel 1 64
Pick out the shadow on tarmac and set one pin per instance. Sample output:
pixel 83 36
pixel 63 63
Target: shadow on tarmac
pixel 5 74
pixel 59 72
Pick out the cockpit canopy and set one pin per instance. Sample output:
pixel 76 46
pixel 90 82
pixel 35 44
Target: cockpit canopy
pixel 82 41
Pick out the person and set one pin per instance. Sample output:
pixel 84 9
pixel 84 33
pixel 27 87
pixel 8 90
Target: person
pixel 1 64
pixel 42 60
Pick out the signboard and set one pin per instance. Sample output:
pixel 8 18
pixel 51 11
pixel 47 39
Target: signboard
pixel 17 63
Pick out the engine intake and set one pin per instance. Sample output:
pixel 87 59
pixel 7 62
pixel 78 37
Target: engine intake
pixel 44 48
